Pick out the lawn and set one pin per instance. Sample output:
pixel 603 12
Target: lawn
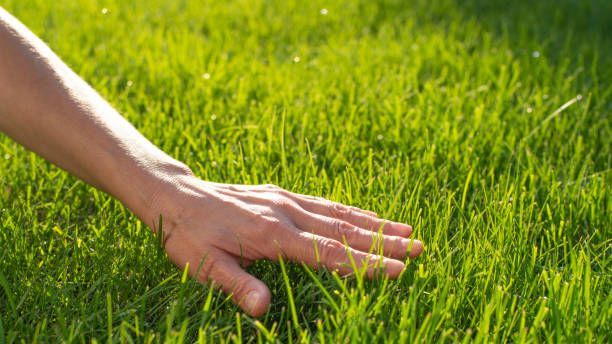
pixel 484 124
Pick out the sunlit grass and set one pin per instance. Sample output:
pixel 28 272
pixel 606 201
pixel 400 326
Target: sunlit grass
pixel 484 124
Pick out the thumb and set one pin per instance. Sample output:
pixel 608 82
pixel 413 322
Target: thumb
pixel 248 292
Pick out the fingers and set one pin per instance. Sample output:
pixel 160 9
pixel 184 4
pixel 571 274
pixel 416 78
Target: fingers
pixel 249 293
pixel 361 218
pixel 353 216
pixel 318 251
pixel 359 228
pixel 357 238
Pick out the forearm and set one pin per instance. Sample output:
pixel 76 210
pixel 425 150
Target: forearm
pixel 52 111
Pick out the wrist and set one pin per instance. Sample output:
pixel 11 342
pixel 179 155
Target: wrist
pixel 146 187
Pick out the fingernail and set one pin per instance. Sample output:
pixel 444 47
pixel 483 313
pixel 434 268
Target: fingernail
pixel 252 300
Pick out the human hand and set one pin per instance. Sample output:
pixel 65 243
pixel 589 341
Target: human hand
pixel 217 229
pixel 53 112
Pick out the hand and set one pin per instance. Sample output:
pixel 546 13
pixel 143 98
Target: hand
pixel 218 229
pixel 53 112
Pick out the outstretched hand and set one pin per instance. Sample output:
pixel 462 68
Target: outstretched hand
pixel 50 110
pixel 218 229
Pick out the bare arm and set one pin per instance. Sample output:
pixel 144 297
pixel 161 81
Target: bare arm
pixel 45 106
pixel 49 109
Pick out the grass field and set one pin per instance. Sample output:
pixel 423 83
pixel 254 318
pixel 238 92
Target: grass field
pixel 484 124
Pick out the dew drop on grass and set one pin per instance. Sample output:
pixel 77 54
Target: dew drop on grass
pixel 104 11
pixel 206 76
pixel 535 54
pixel 296 59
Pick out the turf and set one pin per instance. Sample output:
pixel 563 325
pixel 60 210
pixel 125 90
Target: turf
pixel 485 124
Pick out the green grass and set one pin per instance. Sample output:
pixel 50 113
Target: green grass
pixel 448 115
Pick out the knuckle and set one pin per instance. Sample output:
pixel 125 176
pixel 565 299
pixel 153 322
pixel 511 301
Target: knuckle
pixel 343 229
pixel 285 193
pixel 331 251
pixel 284 204
pixel 280 191
pixel 259 221
pixel 264 223
pixel 395 243
pixel 339 211
pixel 232 187
pixel 273 224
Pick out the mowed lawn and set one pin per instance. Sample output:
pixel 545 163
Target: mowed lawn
pixel 484 124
